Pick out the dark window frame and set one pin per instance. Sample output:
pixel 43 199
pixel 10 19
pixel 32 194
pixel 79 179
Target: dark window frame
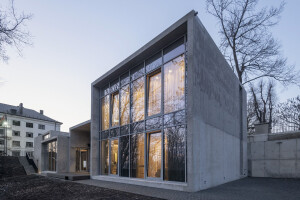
pixel 28 125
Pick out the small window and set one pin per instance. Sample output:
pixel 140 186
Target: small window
pixel 16 123
pixel 29 125
pixel 16 133
pixel 1 131
pixel 15 143
pixel 29 153
pixel 29 134
pixel 41 126
pixel 29 144
pixel 1 142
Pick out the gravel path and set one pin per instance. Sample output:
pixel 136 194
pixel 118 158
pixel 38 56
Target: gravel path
pixel 38 187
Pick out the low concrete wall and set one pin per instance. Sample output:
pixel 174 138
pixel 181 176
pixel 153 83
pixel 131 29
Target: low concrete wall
pixel 274 155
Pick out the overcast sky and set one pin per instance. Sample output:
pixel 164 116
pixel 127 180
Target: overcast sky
pixel 76 41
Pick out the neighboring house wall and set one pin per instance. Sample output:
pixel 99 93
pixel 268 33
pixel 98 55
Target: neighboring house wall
pixel 274 155
pixel 23 130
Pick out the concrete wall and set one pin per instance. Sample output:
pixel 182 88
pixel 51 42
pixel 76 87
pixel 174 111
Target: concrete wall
pixel 274 155
pixel 78 139
pixel 62 150
pixel 217 142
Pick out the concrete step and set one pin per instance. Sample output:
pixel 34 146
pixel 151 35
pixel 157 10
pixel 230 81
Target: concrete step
pixel 28 168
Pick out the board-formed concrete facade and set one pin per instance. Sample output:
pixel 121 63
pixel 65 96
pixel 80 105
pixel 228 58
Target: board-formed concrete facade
pixel 214 121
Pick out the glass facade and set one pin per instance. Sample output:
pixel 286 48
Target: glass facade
pixel 50 152
pixel 143 123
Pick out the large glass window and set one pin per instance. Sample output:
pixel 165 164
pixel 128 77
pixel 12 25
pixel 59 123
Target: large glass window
pixel 50 151
pixel 174 76
pixel 125 105
pixel 154 154
pixel 104 157
pixel 174 154
pixel 143 118
pixel 138 98
pixel 114 156
pixel 124 156
pixel 137 150
pixel 115 109
pixel 154 94
pixel 105 112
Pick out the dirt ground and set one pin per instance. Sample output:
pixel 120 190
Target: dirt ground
pixel 37 187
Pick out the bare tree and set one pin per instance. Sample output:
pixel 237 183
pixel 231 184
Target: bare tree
pixel 289 112
pixel 247 43
pixel 262 103
pixel 12 30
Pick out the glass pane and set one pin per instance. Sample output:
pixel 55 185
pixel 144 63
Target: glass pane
pixel 104 157
pixel 154 62
pixel 174 50
pixel 124 130
pixel 137 127
pixel 114 85
pixel 154 154
pixel 138 99
pixel 137 72
pixel 125 105
pixel 154 123
pixel 114 132
pixel 115 109
pixel 114 156
pixel 105 113
pixel 175 154
pixel 137 155
pixel 125 79
pixel 124 156
pixel 174 75
pixel 154 94
pixel 105 91
pixel 105 134
pixel 176 118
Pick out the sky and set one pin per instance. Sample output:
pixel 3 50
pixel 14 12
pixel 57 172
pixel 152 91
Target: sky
pixel 75 42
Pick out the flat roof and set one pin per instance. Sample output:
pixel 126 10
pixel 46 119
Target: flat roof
pixel 83 126
pixel 168 36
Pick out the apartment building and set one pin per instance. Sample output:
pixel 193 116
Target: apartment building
pixel 19 126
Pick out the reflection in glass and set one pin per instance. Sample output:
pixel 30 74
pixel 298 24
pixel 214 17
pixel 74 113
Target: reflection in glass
pixel 174 154
pixel 174 50
pixel 50 152
pixel 154 123
pixel 115 109
pixel 125 79
pixel 124 156
pixel 138 99
pixel 154 62
pixel 137 127
pixel 124 130
pixel 137 72
pixel 174 75
pixel 154 94
pixel 114 132
pixel 104 157
pixel 125 105
pixel 176 118
pixel 105 134
pixel 114 85
pixel 114 157
pixel 137 155
pixel 154 154
pixel 105 112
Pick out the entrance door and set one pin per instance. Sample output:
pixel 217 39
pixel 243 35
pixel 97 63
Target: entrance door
pixel 114 156
pixel 154 155
pixel 82 159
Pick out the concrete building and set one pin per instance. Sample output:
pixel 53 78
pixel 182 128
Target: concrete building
pixel 18 127
pixel 51 152
pixel 61 152
pixel 172 115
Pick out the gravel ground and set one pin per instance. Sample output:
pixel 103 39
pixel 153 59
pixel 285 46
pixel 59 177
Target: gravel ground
pixel 38 187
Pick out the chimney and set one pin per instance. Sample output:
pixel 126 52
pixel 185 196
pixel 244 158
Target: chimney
pixel 41 112
pixel 21 108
